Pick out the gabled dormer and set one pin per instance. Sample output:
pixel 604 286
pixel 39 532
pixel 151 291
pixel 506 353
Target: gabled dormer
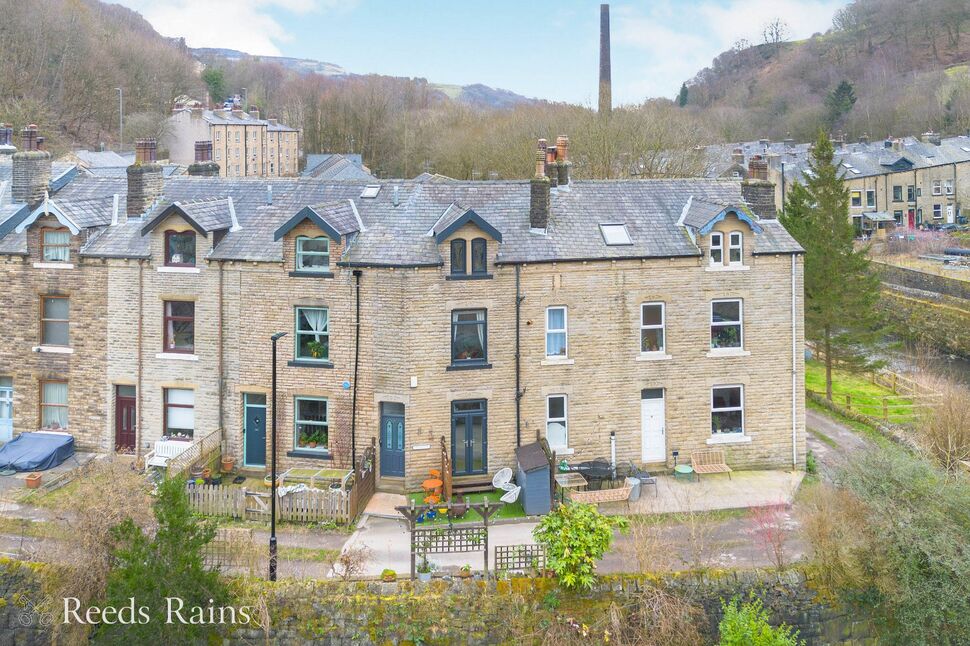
pixel 724 233
pixel 315 238
pixel 184 233
pixel 55 232
pixel 467 242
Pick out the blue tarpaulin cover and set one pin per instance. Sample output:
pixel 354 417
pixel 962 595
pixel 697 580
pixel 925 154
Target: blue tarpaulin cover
pixel 36 451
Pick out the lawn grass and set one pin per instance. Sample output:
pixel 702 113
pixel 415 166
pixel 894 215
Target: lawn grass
pixel 508 511
pixel 866 397
pixel 289 553
pixel 871 432
pixel 822 437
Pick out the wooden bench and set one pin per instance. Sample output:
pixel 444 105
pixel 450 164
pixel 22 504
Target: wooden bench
pixel 164 451
pixel 621 494
pixel 709 461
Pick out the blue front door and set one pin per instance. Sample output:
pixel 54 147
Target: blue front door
pixel 469 437
pixel 254 432
pixel 392 439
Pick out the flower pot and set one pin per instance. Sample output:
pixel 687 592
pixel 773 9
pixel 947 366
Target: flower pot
pixel 465 574
pixel 33 481
pixel 206 473
pixel 228 464
pixel 424 577
pixel 312 445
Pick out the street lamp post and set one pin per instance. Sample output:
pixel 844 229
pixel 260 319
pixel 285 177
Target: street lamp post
pixel 272 490
pixel 121 119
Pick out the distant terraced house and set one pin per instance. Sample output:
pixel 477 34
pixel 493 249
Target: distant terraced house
pixel 657 316
pixel 908 183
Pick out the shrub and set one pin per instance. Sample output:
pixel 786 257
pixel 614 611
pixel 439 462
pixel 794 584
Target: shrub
pixel 746 624
pixel 575 536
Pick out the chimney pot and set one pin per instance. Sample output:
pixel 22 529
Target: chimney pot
pixel 31 169
pixel 203 166
pixel 540 161
pixel 758 168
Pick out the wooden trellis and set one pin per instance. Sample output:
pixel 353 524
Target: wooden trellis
pixel 519 557
pixel 448 538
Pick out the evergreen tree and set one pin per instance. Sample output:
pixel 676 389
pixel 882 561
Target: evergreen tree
pixel 169 564
pixel 841 292
pixel 215 81
pixel 682 96
pixel 839 101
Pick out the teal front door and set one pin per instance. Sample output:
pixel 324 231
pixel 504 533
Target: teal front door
pixel 254 431
pixel 392 439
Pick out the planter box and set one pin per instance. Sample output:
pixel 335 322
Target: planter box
pixel 33 481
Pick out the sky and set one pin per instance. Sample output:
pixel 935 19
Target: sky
pixel 548 49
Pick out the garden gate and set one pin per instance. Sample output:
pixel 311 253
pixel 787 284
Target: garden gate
pixel 466 537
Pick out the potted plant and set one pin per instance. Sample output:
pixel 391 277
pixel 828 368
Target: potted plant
pixel 465 572
pixel 33 481
pixel 206 473
pixel 425 568
pixel 311 440
pixel 388 575
pixel 317 349
pixel 228 463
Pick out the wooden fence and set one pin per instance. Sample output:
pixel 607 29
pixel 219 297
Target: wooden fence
pixel 309 506
pixel 200 451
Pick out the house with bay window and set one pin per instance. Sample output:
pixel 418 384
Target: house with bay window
pixel 664 315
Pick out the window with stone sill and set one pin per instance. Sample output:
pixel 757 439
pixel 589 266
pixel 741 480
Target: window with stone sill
pixel 856 198
pixel 179 325
pixel 557 424
pixel 556 333
pixel 735 241
pixel 53 405
pixel 313 254
pixel 179 413
pixel 870 197
pixel 652 330
pixel 717 248
pixel 458 261
pixel 479 257
pixel 469 337
pixel 727 410
pixel 312 334
pixel 180 248
pixel 726 325
pixel 55 321
pixel 311 430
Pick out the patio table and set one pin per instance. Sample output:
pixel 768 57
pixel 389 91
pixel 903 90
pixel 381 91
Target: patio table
pixel 683 472
pixel 569 480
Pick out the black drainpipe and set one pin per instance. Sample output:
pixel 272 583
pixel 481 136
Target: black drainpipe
pixel 353 405
pixel 518 390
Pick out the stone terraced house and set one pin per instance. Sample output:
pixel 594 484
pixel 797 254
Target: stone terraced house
pixel 664 314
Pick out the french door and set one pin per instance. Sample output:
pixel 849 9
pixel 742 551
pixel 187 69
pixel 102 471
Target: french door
pixel 469 437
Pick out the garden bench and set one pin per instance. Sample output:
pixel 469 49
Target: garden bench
pixel 164 451
pixel 709 461
pixel 620 494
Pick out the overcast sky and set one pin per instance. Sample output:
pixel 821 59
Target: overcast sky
pixel 540 48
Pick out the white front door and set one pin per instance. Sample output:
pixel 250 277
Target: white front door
pixel 652 420
pixel 6 409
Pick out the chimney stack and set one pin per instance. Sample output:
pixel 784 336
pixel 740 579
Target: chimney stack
pixel 6 140
pixel 737 156
pixel 254 112
pixel 562 162
pixel 606 84
pixel 539 192
pixel 757 191
pixel 144 179
pixel 31 168
pixel 203 166
pixel 864 139
pixel 550 170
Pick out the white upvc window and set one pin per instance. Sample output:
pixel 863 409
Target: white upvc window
pixel 652 328
pixel 727 410
pixel 937 211
pixel 557 338
pixel 557 421
pixel 313 254
pixel 726 324
pixel 948 186
pixel 735 242
pixel 871 197
pixel 856 198
pixel 717 248
pixel 937 187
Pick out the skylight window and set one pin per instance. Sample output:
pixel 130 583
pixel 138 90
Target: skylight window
pixel 855 171
pixel 371 191
pixel 615 234
pixel 965 149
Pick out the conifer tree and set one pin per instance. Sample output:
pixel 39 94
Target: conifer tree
pixel 682 95
pixel 841 292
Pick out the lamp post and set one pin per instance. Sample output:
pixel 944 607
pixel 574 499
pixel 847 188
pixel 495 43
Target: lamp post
pixel 121 119
pixel 272 488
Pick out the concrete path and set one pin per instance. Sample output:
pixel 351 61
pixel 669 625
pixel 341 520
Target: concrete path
pixel 743 489
pixel 823 431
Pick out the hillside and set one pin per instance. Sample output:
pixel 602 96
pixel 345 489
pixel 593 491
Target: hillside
pixel 903 60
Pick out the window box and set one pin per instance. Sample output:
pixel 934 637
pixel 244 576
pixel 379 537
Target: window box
pixel 180 248
pixel 312 337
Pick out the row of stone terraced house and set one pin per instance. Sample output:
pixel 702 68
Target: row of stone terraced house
pixel 663 313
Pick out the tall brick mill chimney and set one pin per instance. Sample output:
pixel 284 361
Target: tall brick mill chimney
pixel 606 89
pixel 31 168
pixel 757 190
pixel 144 178
pixel 204 166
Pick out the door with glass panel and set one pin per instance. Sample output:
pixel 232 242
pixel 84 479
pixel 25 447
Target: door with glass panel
pixel 254 430
pixel 392 439
pixel 6 409
pixel 469 437
pixel 125 409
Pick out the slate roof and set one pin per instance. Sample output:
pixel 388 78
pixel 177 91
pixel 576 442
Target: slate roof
pixel 61 174
pixel 96 158
pixel 336 166
pixel 398 234
pixel 122 171
pixel 243 118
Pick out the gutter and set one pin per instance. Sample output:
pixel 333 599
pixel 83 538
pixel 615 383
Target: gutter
pixel 518 349
pixel 794 372
pixel 138 390
pixel 353 405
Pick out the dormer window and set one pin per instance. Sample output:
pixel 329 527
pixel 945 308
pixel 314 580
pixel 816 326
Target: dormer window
pixel 717 248
pixel 180 248
pixel 735 240
pixel 313 254
pixel 479 256
pixel 458 252
pixel 56 244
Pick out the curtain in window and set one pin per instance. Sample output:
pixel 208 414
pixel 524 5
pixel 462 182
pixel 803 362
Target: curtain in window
pixel 480 316
pixel 54 408
pixel 57 253
pixel 555 338
pixel 317 320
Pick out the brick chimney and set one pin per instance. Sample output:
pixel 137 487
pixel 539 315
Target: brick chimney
pixel 31 168
pixel 550 169
pixel 757 191
pixel 144 179
pixel 539 191
pixel 737 156
pixel 7 146
pixel 562 162
pixel 254 112
pixel 203 165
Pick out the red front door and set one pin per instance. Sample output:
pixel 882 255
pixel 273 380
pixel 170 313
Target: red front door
pixel 911 217
pixel 125 409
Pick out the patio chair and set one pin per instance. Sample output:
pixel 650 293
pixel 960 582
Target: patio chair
pixel 502 478
pixel 644 477
pixel 511 495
